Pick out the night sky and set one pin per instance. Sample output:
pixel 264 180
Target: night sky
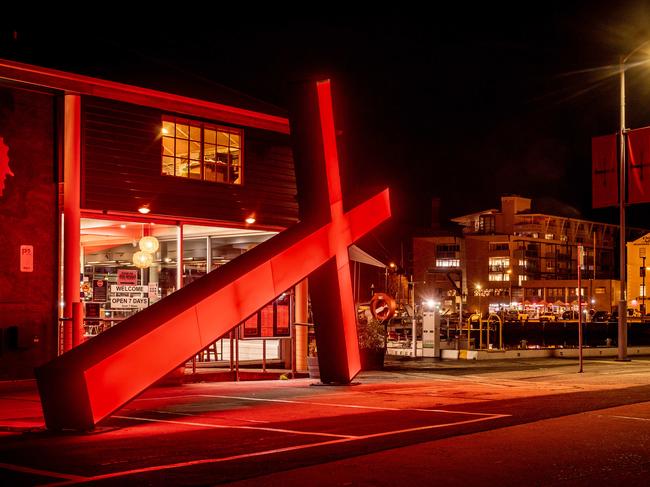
pixel 465 103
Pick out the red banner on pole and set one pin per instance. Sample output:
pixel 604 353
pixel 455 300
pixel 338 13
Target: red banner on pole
pixel 604 172
pixel 638 165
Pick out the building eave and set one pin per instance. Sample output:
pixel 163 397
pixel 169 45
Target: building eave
pixel 70 83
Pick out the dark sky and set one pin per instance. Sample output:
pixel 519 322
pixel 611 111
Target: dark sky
pixel 463 103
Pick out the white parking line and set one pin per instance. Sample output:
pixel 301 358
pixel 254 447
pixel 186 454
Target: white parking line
pixel 44 473
pixel 225 426
pixel 352 406
pixel 207 461
pixel 172 396
pixel 174 413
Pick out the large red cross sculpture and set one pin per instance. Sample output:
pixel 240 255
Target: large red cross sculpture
pixel 88 383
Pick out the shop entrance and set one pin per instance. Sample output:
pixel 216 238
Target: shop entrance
pixel 129 265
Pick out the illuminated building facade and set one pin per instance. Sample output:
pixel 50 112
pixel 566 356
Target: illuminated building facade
pixel 516 257
pixel 115 196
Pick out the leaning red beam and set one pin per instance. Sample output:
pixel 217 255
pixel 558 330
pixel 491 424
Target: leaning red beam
pixel 87 384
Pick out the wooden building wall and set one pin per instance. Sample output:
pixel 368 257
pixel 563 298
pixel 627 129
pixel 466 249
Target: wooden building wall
pixel 28 216
pixel 122 170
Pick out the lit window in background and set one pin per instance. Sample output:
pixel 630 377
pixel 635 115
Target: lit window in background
pixel 194 150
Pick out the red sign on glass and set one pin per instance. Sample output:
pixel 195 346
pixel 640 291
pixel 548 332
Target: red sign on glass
pixel 125 276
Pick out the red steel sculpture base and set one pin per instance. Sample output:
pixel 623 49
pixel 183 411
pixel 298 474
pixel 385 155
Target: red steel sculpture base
pixel 88 383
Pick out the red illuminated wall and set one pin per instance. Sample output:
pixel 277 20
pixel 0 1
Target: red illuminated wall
pixel 28 216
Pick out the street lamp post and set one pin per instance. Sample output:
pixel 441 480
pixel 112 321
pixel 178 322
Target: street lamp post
pixel 509 288
pixel 622 304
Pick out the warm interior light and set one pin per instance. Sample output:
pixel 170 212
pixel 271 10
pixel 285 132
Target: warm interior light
pixel 250 220
pixel 142 260
pixel 149 244
pixel 164 131
pixel 144 209
pixel 122 225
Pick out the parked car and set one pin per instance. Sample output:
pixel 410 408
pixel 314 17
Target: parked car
pixel 515 315
pixel 547 316
pixel 570 315
pixel 600 316
pixel 633 313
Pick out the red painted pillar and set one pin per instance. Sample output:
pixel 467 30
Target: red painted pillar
pixel 73 334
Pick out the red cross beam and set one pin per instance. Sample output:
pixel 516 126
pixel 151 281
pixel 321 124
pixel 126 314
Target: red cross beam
pixel 88 383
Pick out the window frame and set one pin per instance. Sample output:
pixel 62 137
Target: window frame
pixel 203 126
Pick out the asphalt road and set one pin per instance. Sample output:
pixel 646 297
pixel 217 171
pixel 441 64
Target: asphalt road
pixel 532 422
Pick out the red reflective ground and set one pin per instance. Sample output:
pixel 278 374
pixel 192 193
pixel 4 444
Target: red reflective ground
pixel 271 431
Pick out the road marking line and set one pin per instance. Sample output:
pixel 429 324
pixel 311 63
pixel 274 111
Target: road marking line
pixel 223 426
pixel 195 414
pixel 165 397
pixel 628 417
pixel 44 473
pixel 207 461
pixel 351 406
pixel 435 426
pixel 204 461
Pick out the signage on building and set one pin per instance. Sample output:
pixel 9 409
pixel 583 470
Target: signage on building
pixel 26 258
pixel 116 289
pixel 129 302
pixel 129 297
pixel 154 290
pixel 126 276
pixel 99 290
pixel 490 292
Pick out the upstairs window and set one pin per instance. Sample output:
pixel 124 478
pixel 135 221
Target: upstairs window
pixel 197 150
pixel 447 262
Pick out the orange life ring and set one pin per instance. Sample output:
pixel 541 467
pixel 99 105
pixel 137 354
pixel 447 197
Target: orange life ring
pixel 382 306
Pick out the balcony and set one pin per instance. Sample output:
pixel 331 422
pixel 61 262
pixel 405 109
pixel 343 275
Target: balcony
pixel 498 268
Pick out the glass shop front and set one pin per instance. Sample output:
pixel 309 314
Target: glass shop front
pixel 128 266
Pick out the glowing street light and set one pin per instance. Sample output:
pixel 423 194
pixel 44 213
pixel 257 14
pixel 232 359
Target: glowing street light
pixel 622 304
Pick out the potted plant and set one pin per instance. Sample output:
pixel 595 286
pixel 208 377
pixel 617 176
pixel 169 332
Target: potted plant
pixel 372 343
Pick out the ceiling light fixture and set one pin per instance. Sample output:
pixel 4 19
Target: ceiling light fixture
pixel 149 244
pixel 142 260
pixel 250 220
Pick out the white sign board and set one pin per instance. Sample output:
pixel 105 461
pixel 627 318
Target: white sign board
pixel 129 302
pixel 26 258
pixel 120 288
